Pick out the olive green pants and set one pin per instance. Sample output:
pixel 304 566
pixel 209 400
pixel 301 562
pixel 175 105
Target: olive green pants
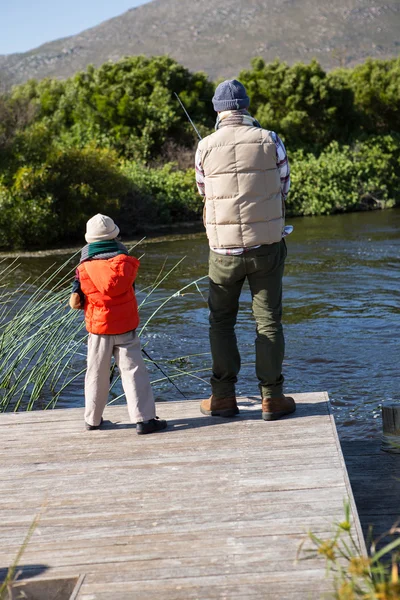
pixel 263 268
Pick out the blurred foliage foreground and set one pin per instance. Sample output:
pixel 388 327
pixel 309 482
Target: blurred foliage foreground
pixel 115 140
pixel 356 575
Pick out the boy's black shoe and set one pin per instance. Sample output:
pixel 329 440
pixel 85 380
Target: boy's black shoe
pixel 150 426
pixel 91 427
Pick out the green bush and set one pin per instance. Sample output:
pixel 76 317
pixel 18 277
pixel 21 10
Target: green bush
pixel 25 223
pixel 344 178
pixel 163 195
pixel 300 103
pixel 53 201
pixel 16 114
pixel 129 105
pixel 376 88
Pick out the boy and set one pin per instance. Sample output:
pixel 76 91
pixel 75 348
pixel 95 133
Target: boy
pixel 103 287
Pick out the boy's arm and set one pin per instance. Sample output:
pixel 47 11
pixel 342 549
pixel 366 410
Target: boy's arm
pixel 77 298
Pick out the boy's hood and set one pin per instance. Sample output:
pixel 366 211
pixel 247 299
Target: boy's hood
pixel 114 276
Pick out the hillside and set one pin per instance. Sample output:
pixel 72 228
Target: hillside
pixel 221 38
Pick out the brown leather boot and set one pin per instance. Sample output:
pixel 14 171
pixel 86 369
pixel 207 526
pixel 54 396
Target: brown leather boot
pixel 219 407
pixel 275 408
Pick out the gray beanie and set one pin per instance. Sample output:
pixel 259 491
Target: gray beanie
pixel 230 95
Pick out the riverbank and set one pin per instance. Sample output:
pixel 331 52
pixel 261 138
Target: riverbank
pixel 151 235
pixel 170 232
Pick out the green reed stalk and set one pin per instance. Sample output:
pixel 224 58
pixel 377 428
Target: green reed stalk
pixel 7 585
pixel 36 334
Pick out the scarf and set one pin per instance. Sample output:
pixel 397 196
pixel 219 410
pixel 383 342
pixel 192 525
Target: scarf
pixel 102 250
pixel 236 118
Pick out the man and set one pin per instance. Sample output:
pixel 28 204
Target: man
pixel 243 174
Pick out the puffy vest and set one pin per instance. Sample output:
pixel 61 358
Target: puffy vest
pixel 243 200
pixel 110 301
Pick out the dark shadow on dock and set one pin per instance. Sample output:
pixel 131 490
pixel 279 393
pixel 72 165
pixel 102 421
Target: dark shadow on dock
pixel 107 425
pixel 304 409
pixel 375 480
pixel 24 572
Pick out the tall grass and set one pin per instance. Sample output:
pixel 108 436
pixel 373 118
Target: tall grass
pixel 42 339
pixel 39 336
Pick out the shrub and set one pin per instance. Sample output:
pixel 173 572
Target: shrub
pixel 25 223
pixel 129 105
pixel 343 178
pixel 161 195
pixel 15 116
pixel 300 103
pixel 52 202
pixel 376 88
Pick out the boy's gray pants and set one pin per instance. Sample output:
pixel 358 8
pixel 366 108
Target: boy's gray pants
pixel 135 379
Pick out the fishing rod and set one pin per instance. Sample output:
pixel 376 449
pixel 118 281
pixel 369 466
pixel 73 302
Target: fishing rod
pixel 113 369
pixel 188 116
pixel 163 372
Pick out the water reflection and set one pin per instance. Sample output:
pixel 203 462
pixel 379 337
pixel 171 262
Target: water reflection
pixel 341 315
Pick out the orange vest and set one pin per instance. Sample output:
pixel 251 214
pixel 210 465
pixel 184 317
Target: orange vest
pixel 110 302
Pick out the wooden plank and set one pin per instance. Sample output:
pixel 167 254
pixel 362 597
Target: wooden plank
pixel 209 508
pixel 227 585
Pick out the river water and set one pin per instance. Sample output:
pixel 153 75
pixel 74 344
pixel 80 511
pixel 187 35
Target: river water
pixel 341 316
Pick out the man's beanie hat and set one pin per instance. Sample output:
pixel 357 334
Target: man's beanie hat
pixel 230 95
pixel 100 228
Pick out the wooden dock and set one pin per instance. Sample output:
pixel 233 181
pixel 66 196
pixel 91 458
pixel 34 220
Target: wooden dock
pixel 209 508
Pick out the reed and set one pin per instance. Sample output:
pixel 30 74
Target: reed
pixel 39 336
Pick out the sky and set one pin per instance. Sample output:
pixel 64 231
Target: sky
pixel 26 24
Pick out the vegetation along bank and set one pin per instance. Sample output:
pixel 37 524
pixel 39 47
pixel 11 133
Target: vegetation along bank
pixel 115 140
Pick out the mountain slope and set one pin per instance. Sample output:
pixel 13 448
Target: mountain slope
pixel 221 38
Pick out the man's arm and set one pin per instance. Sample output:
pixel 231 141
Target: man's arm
pixel 283 165
pixel 200 176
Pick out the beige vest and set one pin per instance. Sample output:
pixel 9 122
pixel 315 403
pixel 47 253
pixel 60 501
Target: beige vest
pixel 243 200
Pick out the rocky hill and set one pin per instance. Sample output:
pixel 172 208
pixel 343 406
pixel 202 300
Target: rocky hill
pixel 221 37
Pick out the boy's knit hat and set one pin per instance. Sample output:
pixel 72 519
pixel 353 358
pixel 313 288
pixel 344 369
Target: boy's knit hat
pixel 230 95
pixel 100 228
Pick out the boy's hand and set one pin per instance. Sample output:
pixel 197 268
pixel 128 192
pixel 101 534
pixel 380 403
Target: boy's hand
pixel 75 301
